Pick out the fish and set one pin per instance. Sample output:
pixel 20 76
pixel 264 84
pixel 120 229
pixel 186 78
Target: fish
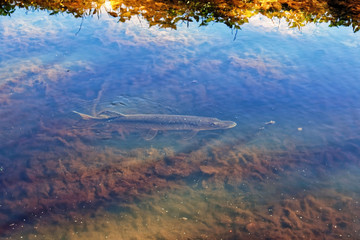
pixel 160 122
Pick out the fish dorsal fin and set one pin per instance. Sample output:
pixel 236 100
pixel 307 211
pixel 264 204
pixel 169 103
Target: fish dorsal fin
pixel 85 116
pixel 109 114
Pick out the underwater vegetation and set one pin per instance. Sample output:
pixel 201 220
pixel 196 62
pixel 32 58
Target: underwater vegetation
pixel 212 191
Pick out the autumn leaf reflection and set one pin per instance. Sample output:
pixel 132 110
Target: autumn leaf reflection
pixel 233 13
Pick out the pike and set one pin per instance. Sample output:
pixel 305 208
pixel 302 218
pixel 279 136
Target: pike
pixel 160 122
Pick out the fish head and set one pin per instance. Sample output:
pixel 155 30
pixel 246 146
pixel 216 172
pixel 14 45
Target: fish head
pixel 218 124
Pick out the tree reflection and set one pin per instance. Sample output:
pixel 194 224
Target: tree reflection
pixel 233 13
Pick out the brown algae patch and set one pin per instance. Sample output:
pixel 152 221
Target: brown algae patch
pixel 189 213
pixel 212 192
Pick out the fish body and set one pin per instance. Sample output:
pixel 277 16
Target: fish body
pixel 160 122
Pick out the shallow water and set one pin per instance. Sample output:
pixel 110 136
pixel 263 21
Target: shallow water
pixel 288 170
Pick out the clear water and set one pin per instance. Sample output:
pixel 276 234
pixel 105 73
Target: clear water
pixel 288 170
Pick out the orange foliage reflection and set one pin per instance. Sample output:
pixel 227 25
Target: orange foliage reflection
pixel 233 13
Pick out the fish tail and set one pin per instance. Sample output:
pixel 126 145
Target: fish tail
pixel 85 116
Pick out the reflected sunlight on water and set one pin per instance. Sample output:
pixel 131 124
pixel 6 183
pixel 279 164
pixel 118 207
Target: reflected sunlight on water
pixel 288 170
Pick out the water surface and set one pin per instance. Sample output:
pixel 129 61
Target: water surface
pixel 283 73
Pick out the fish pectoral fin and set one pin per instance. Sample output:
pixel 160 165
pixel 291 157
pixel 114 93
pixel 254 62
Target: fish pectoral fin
pixel 150 134
pixel 190 134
